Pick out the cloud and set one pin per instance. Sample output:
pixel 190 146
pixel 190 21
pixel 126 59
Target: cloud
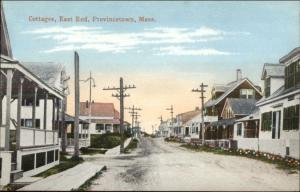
pixel 181 51
pixel 98 39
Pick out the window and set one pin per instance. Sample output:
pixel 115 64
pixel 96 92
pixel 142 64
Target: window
pixel 50 156
pixel 292 75
pixel 239 129
pixel 291 118
pixel 266 121
pixel 267 87
pixel 29 102
pixel 100 127
pixel 246 93
pixel 40 159
pixel 27 162
pixel 28 123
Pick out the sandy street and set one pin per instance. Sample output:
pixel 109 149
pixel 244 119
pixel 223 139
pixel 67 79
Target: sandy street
pixel 157 165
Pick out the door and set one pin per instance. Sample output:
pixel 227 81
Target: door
pixel 276 124
pixel 186 131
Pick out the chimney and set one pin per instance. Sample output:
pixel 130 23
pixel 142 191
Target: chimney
pixel 87 104
pixel 93 101
pixel 238 74
pixel 197 109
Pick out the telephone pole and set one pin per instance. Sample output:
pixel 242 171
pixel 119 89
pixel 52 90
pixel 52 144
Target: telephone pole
pixel 132 113
pixel 201 90
pixel 171 109
pixel 90 79
pixel 77 95
pixel 121 95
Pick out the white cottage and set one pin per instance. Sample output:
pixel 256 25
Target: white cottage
pixel 29 115
pixel 279 108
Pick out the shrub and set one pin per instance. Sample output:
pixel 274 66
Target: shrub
pixel 108 140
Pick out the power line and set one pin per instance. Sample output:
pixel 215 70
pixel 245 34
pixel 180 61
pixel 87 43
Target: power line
pixel 121 95
pixel 132 113
pixel 201 90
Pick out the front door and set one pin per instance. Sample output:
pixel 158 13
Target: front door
pixel 186 131
pixel 276 124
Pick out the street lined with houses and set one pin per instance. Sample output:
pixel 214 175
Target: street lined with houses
pixel 242 135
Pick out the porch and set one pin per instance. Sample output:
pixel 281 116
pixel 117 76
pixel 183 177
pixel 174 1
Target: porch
pixel 29 136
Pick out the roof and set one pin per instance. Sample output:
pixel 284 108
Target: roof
pixel 99 110
pixel 272 70
pixel 71 119
pixel 185 117
pixel 231 86
pixel 221 88
pixel 279 92
pixel 290 55
pixel 222 122
pixel 253 116
pixel 5 48
pixel 48 72
pixel 106 121
pixel 242 106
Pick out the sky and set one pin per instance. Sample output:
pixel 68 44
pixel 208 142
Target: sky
pixel 181 45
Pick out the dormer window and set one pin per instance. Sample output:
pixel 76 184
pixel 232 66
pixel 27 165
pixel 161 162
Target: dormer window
pixel 292 75
pixel 247 93
pixel 267 87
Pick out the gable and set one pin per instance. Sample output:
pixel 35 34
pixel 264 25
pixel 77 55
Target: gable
pixel 5 42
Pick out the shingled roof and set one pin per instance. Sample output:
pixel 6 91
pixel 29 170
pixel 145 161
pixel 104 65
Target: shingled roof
pixel 230 87
pixel 5 48
pixel 241 106
pixel 185 117
pixel 48 72
pixel 99 110
pixel 272 70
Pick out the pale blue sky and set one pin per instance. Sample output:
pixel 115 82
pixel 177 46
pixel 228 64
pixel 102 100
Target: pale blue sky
pixel 209 38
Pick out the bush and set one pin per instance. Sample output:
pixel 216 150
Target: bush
pixel 108 140
pixel 88 151
pixel 132 145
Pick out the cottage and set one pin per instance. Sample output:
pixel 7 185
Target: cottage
pixel 104 117
pixel 229 103
pixel 279 108
pixel 30 100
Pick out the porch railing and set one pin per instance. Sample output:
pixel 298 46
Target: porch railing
pixel 37 137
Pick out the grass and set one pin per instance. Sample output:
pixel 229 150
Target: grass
pixel 286 163
pixel 62 166
pixel 132 145
pixel 88 151
pixel 86 185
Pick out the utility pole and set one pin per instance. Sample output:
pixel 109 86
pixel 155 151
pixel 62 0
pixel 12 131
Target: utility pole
pixel 64 109
pixel 90 79
pixel 132 112
pixel 121 95
pixel 201 90
pixel 77 100
pixel 171 109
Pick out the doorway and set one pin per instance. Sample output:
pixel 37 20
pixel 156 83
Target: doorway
pixel 276 124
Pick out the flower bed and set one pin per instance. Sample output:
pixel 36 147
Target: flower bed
pixel 281 162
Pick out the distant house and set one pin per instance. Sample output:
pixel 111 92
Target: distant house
pixel 180 128
pixel 229 103
pixel 104 117
pixel 30 97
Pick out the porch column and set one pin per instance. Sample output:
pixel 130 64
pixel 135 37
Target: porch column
pixel 104 127
pixel 45 117
pixel 53 114
pixel 20 98
pixel 9 76
pixel 1 98
pixel 57 120
pixel 34 107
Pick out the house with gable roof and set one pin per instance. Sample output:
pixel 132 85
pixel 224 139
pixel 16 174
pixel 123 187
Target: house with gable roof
pixel 228 103
pixel 31 97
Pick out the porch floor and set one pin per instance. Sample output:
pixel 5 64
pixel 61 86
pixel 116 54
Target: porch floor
pixel 67 180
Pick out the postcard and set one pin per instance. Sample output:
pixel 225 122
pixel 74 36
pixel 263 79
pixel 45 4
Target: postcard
pixel 149 96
